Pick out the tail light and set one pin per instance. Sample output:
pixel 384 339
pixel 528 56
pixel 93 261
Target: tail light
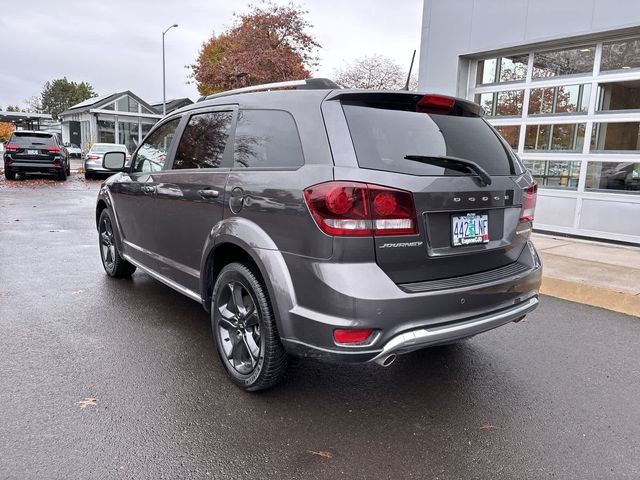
pixel 351 336
pixel 359 209
pixel 53 149
pixel 93 157
pixel 529 204
pixel 11 148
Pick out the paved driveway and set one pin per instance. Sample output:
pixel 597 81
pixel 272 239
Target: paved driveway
pixel 556 396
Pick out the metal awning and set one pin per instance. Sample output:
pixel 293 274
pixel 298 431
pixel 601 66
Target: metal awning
pixel 29 121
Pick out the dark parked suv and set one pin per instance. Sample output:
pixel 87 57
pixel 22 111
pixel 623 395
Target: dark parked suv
pixel 35 152
pixel 346 225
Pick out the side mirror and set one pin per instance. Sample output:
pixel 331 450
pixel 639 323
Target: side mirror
pixel 114 161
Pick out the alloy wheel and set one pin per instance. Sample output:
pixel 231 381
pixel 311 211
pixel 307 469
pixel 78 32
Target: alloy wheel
pixel 107 245
pixel 239 327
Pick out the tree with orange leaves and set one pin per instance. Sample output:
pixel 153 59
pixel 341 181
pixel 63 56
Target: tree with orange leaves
pixel 268 44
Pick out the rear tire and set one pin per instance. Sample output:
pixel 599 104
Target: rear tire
pixel 68 169
pixel 113 263
pixel 88 175
pixel 245 330
pixel 9 175
pixel 62 174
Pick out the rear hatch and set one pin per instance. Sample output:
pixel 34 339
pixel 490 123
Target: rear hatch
pixel 33 147
pixel 467 213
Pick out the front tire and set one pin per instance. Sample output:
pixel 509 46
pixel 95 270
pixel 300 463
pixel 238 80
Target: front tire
pixel 113 263
pixel 245 330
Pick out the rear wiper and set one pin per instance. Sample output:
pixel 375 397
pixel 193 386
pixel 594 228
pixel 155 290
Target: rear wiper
pixel 453 163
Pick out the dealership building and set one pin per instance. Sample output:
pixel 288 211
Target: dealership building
pixel 560 80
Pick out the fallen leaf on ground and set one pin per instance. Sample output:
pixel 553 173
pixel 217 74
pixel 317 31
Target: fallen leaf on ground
pixel 321 454
pixel 487 426
pixel 88 402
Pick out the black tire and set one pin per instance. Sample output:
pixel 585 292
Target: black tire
pixel 236 333
pixel 88 175
pixel 68 168
pixel 62 174
pixel 9 175
pixel 113 263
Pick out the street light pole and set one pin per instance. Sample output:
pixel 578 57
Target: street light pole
pixel 164 91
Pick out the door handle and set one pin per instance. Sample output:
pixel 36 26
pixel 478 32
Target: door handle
pixel 148 189
pixel 208 193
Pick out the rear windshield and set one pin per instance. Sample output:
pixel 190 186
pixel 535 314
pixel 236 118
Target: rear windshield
pixel 28 139
pixel 108 148
pixel 382 137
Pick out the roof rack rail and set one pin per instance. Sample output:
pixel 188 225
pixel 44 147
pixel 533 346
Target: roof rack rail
pixel 307 84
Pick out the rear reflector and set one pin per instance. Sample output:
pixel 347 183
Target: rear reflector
pixel 343 336
pixel 358 209
pixel 435 104
pixel 529 203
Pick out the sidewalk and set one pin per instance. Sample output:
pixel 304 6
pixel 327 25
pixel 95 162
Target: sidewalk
pixel 594 273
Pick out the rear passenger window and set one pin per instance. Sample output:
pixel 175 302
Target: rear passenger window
pixel 267 138
pixel 203 141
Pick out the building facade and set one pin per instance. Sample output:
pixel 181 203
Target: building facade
pixel 117 118
pixel 560 80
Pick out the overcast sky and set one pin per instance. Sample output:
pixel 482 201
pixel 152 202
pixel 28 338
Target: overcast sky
pixel 115 45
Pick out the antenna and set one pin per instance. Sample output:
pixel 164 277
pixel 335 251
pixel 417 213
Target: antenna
pixel 406 85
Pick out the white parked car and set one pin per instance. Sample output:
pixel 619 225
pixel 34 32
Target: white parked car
pixel 73 150
pixel 93 158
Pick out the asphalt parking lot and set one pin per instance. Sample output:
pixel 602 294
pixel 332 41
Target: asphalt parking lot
pixel 104 378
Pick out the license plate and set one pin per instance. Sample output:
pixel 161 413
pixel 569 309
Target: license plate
pixel 32 152
pixel 469 229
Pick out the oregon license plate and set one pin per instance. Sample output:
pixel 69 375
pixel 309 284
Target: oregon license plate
pixel 32 152
pixel 469 229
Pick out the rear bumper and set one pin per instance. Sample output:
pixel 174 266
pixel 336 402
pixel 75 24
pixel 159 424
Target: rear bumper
pixel 26 166
pixel 363 296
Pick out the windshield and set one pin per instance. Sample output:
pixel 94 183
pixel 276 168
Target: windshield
pixel 102 148
pixel 383 137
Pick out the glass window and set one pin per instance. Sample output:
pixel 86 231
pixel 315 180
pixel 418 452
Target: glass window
pixel 152 154
pixel 624 177
pixel 572 98
pixel 383 137
pixel 507 103
pixel 267 138
pixel 486 72
pixel 623 136
pixel 569 61
pixel 511 133
pixel 621 55
pixel 26 139
pixel 555 173
pixel 106 131
pixel 485 100
pixel 128 134
pixel 503 69
pixel 619 96
pixel 133 105
pixel 146 110
pixel 541 101
pixel 513 68
pixel 559 136
pixel 203 141
pixel 109 106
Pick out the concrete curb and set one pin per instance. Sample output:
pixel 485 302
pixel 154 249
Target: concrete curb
pixel 595 296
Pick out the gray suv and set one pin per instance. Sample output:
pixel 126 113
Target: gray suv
pixel 344 225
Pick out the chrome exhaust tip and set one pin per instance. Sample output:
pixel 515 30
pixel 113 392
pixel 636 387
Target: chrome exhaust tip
pixel 387 360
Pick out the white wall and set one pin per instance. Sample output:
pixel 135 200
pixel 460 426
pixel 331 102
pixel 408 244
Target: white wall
pixel 451 28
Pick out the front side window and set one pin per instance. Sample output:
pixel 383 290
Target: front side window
pixel 152 154
pixel 203 141
pixel 267 138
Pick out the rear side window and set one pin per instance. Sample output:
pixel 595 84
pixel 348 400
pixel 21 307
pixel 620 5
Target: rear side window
pixel 28 139
pixel 203 141
pixel 382 137
pixel 267 138
pixel 152 154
